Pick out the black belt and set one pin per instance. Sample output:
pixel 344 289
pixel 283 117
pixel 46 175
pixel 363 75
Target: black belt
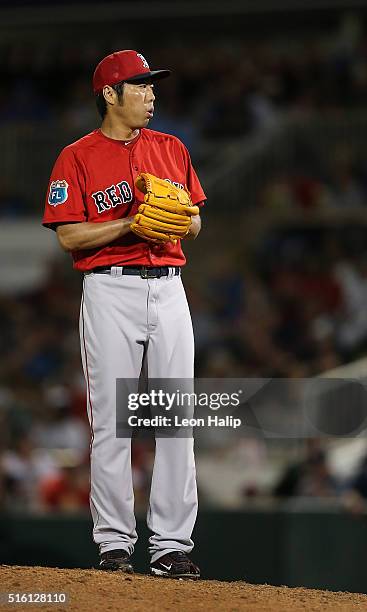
pixel 142 271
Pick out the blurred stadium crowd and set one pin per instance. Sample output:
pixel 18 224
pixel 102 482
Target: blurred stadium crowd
pixel 292 317
pixel 224 88
pixel 292 307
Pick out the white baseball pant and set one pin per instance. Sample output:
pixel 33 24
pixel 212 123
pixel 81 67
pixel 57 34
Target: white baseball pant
pixel 120 317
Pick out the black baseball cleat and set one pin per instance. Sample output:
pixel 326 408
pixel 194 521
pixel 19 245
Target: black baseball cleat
pixel 116 560
pixel 175 565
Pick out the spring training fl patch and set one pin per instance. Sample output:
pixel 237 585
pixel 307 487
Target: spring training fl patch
pixel 58 192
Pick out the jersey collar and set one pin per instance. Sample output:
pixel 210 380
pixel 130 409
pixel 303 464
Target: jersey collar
pixel 116 140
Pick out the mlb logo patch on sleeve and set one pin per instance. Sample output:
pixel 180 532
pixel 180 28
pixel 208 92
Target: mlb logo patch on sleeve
pixel 58 192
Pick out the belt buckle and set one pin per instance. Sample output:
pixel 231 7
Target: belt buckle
pixel 144 273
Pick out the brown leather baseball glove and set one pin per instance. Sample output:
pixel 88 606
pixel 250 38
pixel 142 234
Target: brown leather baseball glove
pixel 166 213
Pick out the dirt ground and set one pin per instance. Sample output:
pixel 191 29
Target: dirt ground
pixel 93 590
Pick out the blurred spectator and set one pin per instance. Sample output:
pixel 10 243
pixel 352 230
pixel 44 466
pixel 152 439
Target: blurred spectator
pixel 346 190
pixel 67 491
pixel 59 428
pixel 286 192
pixel 23 467
pixel 355 496
pixel 309 477
pixel 352 327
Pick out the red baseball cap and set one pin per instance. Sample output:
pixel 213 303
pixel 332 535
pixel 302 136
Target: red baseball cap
pixel 124 66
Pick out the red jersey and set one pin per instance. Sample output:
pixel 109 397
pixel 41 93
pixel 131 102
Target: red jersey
pixel 94 180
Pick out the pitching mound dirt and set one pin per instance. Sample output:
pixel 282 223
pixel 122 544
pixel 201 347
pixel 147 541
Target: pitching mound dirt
pixel 93 590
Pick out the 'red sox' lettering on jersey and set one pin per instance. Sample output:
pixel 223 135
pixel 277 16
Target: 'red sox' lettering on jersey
pixel 100 173
pixel 108 198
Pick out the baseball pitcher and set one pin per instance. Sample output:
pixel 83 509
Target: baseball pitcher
pixel 121 200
